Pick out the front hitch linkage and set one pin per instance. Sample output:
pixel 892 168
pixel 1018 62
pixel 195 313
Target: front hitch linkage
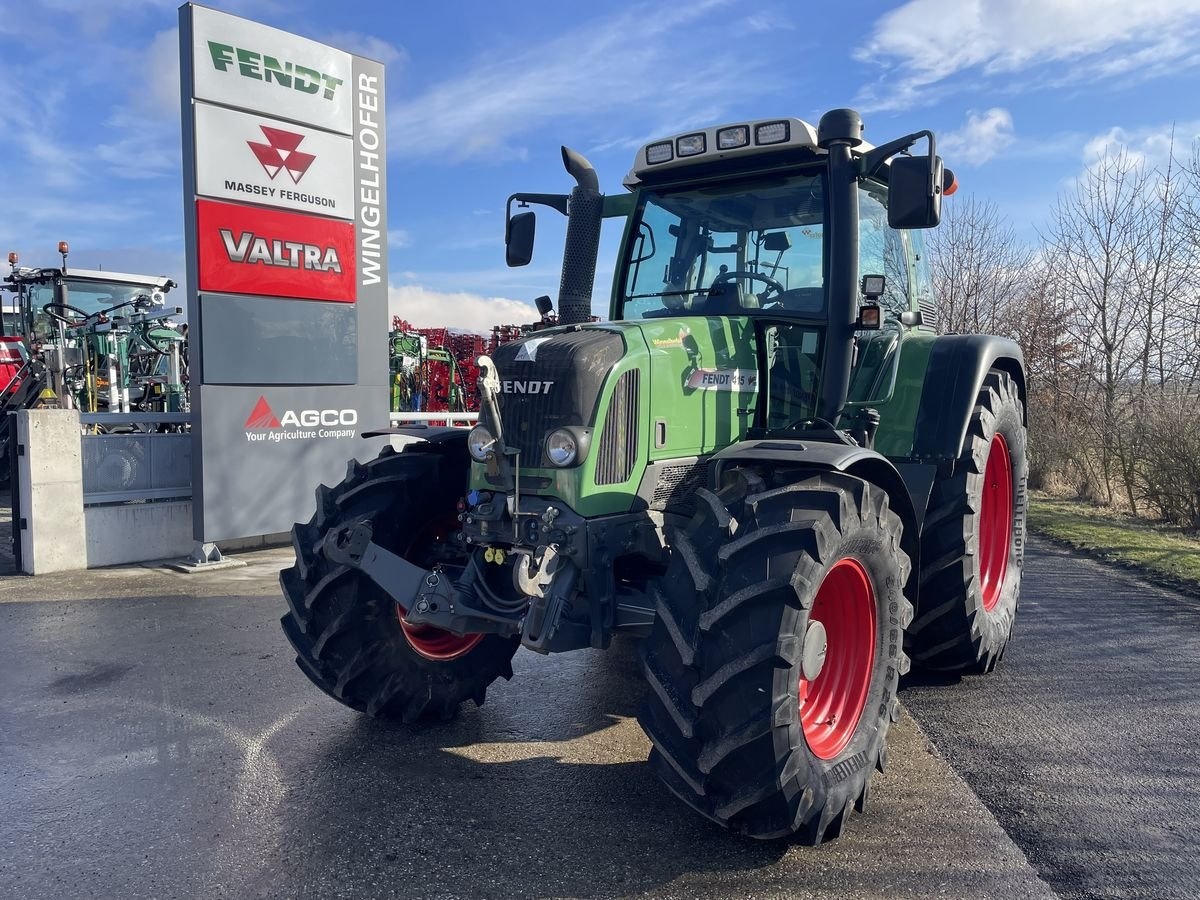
pixel 425 596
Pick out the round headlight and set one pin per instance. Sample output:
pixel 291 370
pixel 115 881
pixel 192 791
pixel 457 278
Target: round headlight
pixel 479 443
pixel 561 447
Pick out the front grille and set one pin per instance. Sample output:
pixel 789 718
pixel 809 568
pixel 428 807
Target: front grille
pixel 619 440
pixel 550 381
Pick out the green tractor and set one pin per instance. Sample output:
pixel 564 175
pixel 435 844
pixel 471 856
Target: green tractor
pixel 767 466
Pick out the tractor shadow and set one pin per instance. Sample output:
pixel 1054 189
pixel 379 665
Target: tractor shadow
pixel 542 792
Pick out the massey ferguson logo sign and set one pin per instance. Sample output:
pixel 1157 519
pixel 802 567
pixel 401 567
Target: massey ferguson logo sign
pixel 298 425
pixel 252 159
pixel 246 250
pixel 280 152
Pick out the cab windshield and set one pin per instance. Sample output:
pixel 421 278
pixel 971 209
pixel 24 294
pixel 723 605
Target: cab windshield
pixel 89 297
pixel 736 248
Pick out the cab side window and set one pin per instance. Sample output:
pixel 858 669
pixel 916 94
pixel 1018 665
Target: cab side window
pixel 883 250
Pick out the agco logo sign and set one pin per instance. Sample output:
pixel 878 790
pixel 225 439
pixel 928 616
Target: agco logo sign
pixel 263 424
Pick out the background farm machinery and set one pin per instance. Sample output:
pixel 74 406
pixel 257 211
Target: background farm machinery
pixel 434 369
pixel 92 340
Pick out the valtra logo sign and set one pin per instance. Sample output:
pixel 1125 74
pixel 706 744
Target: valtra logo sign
pixel 298 425
pixel 247 250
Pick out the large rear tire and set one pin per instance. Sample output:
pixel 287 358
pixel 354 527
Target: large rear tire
pixel 350 637
pixel 738 732
pixel 973 543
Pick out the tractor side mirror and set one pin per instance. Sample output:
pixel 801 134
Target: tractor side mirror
pixel 915 192
pixel 518 238
pixel 777 242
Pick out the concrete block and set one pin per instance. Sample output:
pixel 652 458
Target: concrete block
pixel 136 532
pixel 51 486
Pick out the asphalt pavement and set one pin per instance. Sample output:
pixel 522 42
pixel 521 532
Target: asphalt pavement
pixel 156 740
pixel 1086 742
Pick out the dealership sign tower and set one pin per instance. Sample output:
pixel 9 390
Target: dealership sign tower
pixel 284 198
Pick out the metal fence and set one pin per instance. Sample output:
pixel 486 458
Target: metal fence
pixel 457 419
pixel 140 465
pixel 137 465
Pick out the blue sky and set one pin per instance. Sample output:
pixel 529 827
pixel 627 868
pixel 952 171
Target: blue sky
pixel 1022 93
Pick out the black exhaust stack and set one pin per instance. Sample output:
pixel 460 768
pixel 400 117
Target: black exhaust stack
pixel 839 131
pixel 584 212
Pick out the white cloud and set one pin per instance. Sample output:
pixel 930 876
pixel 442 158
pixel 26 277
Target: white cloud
pixel 928 41
pixel 426 308
pixel 368 45
pixel 590 74
pixel 399 238
pixel 1153 145
pixel 160 90
pixel 981 137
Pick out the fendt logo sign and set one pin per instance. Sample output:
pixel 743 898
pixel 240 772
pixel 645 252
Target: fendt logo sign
pixel 253 159
pixel 298 425
pixel 246 250
pixel 266 68
pixel 246 65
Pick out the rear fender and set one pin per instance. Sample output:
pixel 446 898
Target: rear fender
pixel 958 363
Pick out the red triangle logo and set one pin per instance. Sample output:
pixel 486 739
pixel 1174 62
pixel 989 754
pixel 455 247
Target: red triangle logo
pixel 280 139
pixel 262 416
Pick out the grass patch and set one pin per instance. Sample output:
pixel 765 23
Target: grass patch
pixel 1167 555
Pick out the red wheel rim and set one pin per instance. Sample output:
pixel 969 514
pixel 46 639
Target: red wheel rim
pixel 429 642
pixel 436 644
pixel 995 521
pixel 832 703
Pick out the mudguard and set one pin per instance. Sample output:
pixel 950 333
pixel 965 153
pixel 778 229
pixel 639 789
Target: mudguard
pixel 830 456
pixel 431 434
pixel 958 363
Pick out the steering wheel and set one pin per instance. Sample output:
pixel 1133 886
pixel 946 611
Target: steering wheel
pixel 49 309
pixel 726 277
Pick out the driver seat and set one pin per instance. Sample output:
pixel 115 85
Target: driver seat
pixel 728 299
pixel 723 299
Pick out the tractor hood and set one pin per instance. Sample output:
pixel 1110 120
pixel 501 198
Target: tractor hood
pixel 553 379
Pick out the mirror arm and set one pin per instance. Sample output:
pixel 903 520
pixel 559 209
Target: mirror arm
pixel 554 201
pixel 872 161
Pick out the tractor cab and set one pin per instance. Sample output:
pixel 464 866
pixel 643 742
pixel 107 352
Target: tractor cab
pixel 105 339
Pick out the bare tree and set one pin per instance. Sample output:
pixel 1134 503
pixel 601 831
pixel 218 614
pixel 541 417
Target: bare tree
pixel 1093 243
pixel 979 268
pixel 1107 310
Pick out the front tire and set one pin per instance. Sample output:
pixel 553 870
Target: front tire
pixel 350 637
pixel 973 542
pixel 738 732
